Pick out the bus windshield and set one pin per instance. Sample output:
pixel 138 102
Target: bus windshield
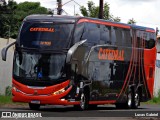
pixel 39 66
pixel 45 35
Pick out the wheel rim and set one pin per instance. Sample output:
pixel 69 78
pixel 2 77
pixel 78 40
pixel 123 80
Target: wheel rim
pixel 136 99
pixel 82 102
pixel 129 100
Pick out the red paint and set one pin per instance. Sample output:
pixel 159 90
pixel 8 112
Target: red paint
pixel 149 30
pixel 46 91
pixel 104 23
pixel 103 102
pixel 149 61
pixel 45 96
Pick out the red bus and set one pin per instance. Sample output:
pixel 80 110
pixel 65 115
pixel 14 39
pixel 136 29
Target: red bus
pixel 80 61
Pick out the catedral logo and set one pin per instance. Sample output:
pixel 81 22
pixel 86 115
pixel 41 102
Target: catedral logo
pixel 108 54
pixel 42 29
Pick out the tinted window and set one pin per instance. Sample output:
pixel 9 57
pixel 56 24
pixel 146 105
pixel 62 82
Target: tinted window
pixel 78 32
pixel 145 39
pixel 45 35
pixel 150 41
pixel 105 35
pixel 113 35
pixel 126 38
pixel 91 33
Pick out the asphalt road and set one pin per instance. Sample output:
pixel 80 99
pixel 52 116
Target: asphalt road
pixel 145 112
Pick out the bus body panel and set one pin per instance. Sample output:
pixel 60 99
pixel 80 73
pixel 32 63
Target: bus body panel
pixel 112 60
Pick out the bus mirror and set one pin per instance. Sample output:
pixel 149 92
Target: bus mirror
pixel 72 50
pixel 4 51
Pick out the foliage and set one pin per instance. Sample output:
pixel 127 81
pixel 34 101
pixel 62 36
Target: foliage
pixel 93 11
pixel 8 91
pixel 131 21
pixel 12 14
pixel 5 99
pixel 155 100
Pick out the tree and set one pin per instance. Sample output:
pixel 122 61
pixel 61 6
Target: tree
pixel 12 15
pixel 93 11
pixel 131 21
pixel 6 18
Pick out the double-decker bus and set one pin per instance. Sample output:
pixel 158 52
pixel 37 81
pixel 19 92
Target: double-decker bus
pixel 80 61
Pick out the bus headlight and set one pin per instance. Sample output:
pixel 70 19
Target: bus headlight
pixel 59 91
pixel 14 88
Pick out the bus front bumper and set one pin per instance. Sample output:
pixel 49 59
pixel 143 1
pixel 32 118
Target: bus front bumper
pixel 43 99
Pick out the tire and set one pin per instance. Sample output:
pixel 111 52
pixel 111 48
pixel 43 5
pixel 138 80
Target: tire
pixel 136 101
pixel 133 101
pixel 130 99
pixel 84 101
pixel 34 106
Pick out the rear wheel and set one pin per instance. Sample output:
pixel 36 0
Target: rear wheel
pixel 133 101
pixel 129 100
pixel 34 106
pixel 136 101
pixel 127 104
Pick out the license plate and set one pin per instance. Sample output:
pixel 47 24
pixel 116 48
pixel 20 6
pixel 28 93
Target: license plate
pixel 35 101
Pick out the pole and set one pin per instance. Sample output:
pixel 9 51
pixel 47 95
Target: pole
pixel 74 9
pixel 100 9
pixel 157 30
pixel 59 9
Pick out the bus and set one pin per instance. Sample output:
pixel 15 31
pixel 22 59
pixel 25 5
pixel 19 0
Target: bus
pixel 81 61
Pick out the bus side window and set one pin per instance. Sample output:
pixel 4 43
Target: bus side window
pixel 78 32
pixel 105 35
pixel 91 33
pixel 113 36
pixel 141 37
pixel 118 33
pixel 150 40
pixel 126 38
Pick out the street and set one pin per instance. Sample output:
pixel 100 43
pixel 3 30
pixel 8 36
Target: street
pixel 102 112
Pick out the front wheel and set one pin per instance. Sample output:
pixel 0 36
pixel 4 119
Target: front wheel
pixel 84 101
pixel 34 106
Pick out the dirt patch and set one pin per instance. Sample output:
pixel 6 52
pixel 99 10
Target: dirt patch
pixel 14 105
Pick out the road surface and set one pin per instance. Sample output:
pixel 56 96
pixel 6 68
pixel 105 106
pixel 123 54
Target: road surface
pixel 151 112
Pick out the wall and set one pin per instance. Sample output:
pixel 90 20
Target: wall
pixel 157 76
pixel 6 67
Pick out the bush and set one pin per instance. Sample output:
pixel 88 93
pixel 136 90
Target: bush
pixel 8 91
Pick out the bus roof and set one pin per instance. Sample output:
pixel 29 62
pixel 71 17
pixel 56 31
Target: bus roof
pixel 72 19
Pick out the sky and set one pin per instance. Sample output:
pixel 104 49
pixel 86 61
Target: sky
pixel 144 12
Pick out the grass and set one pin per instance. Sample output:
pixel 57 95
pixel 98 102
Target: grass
pixel 7 100
pixel 155 100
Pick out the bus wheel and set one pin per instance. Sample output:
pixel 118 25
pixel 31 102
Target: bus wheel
pixel 136 101
pixel 34 106
pixel 84 101
pixel 129 100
